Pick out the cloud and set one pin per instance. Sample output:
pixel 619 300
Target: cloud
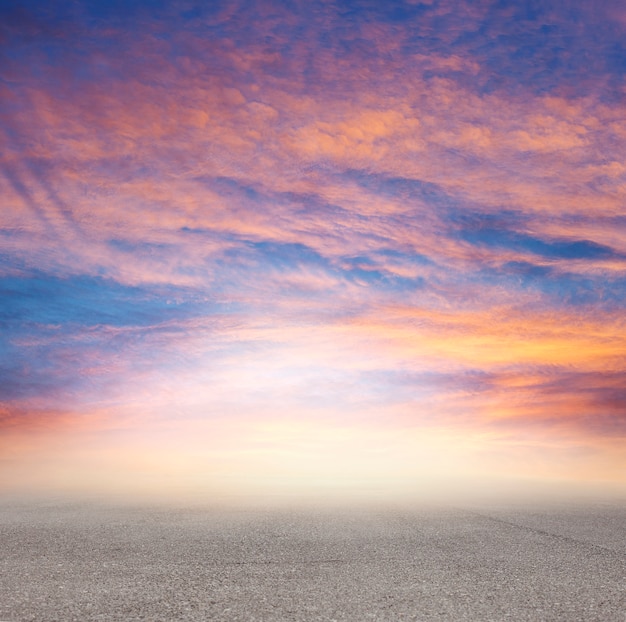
pixel 411 211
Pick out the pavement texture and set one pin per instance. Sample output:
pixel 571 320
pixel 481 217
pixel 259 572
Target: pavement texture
pixel 81 563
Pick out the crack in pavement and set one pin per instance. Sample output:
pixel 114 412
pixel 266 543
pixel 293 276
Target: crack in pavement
pixel 543 532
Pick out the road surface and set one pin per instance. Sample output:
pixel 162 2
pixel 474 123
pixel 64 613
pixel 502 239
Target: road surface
pixel 84 563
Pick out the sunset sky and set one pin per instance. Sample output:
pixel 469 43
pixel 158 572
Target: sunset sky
pixel 300 248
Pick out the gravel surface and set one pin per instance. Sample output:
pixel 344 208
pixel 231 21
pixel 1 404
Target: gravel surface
pixel 82 563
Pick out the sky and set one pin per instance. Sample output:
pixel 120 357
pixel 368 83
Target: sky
pixel 312 248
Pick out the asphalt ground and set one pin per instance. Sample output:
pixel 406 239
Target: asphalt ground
pixel 86 563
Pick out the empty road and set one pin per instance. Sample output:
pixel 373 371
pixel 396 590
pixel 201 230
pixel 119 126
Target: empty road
pixel 85 563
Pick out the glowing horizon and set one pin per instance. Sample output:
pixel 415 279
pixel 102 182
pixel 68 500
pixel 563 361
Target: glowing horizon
pixel 312 248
